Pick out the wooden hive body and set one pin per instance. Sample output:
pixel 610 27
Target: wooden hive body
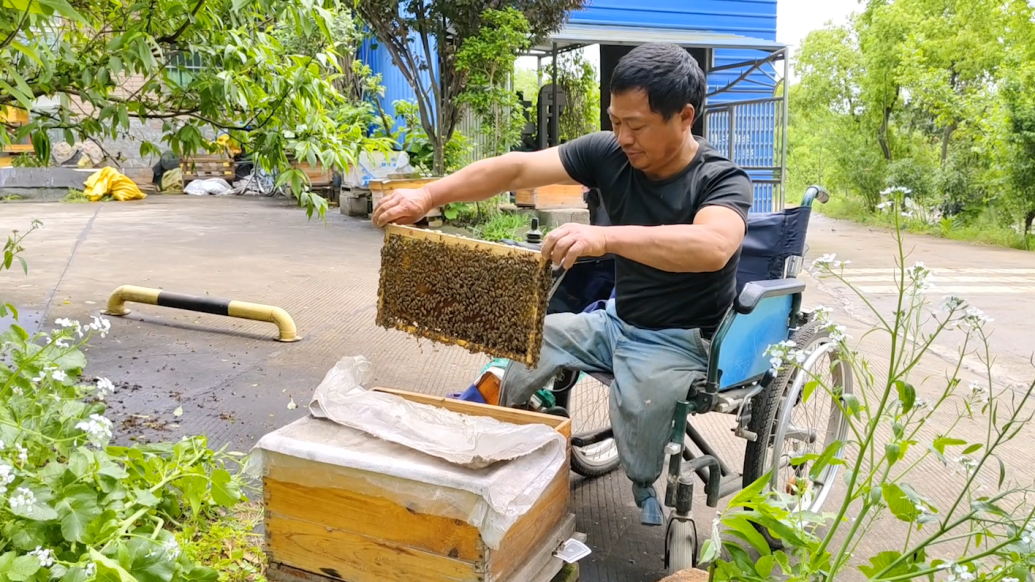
pixel 327 526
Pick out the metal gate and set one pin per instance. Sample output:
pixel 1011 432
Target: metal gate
pixel 749 133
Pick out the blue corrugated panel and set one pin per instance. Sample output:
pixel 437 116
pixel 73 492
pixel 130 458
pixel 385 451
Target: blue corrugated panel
pixel 755 18
pixel 397 88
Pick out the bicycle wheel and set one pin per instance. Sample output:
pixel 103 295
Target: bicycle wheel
pixel 587 402
pixel 792 422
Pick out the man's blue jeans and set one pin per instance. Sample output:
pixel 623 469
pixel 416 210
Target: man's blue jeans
pixel 652 371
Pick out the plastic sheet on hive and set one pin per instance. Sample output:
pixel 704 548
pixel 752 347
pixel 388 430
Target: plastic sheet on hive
pixel 428 459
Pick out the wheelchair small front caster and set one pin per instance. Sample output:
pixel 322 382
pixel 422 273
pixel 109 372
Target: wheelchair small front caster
pixel 680 544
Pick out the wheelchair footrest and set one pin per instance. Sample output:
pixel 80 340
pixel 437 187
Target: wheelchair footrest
pixel 591 438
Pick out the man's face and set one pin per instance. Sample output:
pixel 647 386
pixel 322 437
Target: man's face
pixel 650 141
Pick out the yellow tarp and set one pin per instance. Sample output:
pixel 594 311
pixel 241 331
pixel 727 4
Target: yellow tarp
pixel 109 181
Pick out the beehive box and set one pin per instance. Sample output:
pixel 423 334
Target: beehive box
pixel 486 297
pixel 322 527
pixel 554 196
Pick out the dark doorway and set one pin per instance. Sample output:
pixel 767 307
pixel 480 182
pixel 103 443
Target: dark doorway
pixel 609 56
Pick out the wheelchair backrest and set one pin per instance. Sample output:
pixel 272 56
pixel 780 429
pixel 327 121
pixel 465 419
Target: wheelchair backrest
pixel 772 238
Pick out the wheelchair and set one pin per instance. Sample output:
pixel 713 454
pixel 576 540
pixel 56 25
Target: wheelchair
pixel 774 417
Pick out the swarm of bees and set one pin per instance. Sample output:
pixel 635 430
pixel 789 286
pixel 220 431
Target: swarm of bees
pixel 453 290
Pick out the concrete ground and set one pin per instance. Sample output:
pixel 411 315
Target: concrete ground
pixel 234 383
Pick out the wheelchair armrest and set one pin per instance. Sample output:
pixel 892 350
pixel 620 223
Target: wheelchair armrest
pixel 757 291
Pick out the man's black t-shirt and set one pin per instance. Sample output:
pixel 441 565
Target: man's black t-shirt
pixel 646 297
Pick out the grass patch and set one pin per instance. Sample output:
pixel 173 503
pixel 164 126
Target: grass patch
pixel 75 196
pixel 10 198
pixel 501 225
pixel 985 229
pixel 229 544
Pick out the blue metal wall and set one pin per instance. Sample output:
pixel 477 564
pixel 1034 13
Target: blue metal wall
pixel 755 128
pixel 397 88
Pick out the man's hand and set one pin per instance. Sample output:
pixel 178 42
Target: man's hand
pixel 571 241
pixel 403 207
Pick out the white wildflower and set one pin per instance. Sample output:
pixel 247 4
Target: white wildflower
pixel 920 276
pixel 785 351
pixel 22 498
pixel 172 549
pixel 969 465
pixel 97 429
pixel 951 303
pixel 100 325
pixel 921 404
pixel 838 333
pixel 23 453
pixel 960 574
pixel 90 570
pixel 6 477
pixel 885 205
pixel 979 392
pixel 974 318
pixel 63 342
pixel 1010 580
pixel 59 376
pixel 821 313
pixel 46 557
pixel 17 391
pixel 2 446
pixel 104 387
pixel 829 262
pixel 65 322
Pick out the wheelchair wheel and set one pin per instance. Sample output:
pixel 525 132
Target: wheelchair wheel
pixel 680 545
pixel 790 426
pixel 587 402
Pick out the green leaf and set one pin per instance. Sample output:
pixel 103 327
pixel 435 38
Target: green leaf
pixel 899 504
pixel 852 404
pixel 883 560
pixel 109 570
pixel 148 560
pixel 746 530
pixel 65 9
pixel 892 450
pixel 906 395
pixel 764 566
pixel 709 551
pixel 826 459
pixel 942 442
pixel 73 361
pixel 972 449
pixel 79 508
pixel 41 144
pixel 987 507
pixel 807 391
pixel 225 491
pixel 784 562
pixel 200 574
pixel 146 498
pixel 777 528
pixel 23 568
pixel 25 266
pixel 747 495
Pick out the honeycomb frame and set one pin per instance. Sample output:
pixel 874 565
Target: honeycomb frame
pixel 459 291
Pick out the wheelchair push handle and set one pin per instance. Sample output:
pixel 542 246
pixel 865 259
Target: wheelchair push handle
pixel 815 193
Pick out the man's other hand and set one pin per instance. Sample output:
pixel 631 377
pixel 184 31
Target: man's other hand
pixel 571 241
pixel 403 207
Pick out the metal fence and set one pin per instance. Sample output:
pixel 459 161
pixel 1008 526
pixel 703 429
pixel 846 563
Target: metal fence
pixel 748 133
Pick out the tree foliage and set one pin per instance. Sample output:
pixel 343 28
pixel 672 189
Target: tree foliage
pixel 925 94
pixel 577 77
pixel 195 66
pixel 488 60
pixel 424 38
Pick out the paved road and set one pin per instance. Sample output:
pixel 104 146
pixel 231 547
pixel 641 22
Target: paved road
pixel 234 383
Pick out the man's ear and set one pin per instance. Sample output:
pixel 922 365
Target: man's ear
pixel 687 116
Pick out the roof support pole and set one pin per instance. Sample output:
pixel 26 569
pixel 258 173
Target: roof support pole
pixel 555 119
pixel 778 204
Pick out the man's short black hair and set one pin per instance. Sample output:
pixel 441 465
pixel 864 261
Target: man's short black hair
pixel 667 73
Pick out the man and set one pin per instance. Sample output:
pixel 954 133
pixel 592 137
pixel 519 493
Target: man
pixel 678 213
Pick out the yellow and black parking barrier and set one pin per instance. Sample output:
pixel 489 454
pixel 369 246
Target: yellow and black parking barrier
pixel 240 309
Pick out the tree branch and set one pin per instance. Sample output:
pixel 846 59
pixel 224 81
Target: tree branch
pixel 17 28
pixel 183 27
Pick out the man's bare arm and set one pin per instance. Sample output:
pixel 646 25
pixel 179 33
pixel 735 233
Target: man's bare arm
pixel 703 247
pixel 514 171
pixel 478 181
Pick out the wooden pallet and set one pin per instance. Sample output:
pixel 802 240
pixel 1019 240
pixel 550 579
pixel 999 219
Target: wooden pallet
pixel 206 167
